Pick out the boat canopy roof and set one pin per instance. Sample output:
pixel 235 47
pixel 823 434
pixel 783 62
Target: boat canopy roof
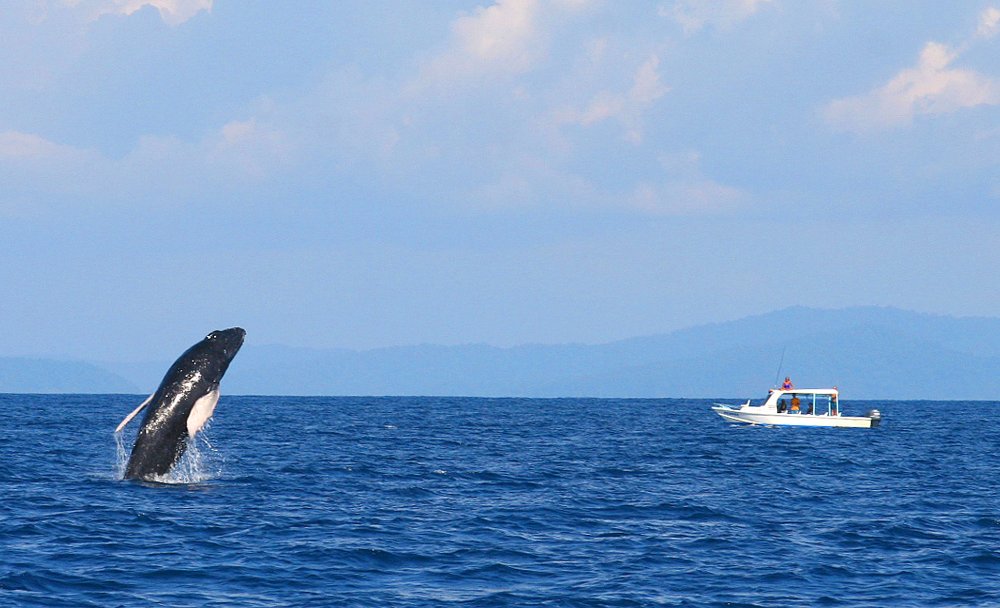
pixel 804 391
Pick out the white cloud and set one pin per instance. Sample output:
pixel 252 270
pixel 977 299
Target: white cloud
pixel 18 145
pixel 694 15
pixel 528 74
pixel 252 148
pixel 680 189
pixel 505 39
pixel 627 107
pixel 932 87
pixel 492 127
pixel 989 23
pixel 29 155
pixel 575 5
pixel 501 39
pixel 684 190
pixel 159 170
pixel 686 198
pixel 647 87
pixel 42 170
pixel 501 33
pixel 173 12
pixel 531 181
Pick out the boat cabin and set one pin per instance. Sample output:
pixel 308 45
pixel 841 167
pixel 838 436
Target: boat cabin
pixel 797 407
pixel 816 401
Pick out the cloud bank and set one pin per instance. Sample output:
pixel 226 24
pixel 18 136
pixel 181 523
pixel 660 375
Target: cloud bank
pixel 934 86
pixel 173 12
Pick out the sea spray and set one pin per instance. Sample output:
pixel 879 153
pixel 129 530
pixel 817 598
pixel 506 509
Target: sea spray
pixel 200 462
pixel 121 459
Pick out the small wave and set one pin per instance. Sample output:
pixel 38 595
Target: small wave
pixel 983 558
pixel 500 503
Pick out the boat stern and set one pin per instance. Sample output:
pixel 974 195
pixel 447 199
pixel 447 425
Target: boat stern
pixel 876 417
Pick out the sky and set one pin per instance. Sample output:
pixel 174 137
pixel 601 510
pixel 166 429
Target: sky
pixel 359 174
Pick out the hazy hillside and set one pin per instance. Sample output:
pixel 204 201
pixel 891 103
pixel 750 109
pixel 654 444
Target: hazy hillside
pixel 22 375
pixel 867 352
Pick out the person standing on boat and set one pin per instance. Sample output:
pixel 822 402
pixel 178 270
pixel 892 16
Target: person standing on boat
pixel 787 384
pixel 834 406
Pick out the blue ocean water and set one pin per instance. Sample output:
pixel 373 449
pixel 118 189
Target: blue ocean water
pixel 501 502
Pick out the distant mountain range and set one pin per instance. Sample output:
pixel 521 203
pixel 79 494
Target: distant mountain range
pixel 24 375
pixel 868 352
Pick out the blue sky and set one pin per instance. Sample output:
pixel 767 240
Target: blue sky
pixel 365 174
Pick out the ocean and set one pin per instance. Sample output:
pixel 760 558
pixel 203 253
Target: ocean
pixel 414 501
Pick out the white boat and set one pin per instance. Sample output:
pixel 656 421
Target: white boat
pixel 797 407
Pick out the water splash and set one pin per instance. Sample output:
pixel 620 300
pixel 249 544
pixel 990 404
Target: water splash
pixel 200 462
pixel 121 456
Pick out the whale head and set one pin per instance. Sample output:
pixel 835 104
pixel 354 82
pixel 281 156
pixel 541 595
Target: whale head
pixel 226 342
pixel 211 357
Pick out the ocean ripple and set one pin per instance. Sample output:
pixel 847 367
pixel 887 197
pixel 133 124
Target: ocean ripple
pixel 291 501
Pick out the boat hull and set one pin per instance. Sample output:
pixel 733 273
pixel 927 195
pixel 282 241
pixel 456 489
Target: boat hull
pixel 747 416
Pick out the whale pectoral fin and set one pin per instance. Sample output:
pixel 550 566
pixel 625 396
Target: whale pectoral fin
pixel 202 411
pixel 129 418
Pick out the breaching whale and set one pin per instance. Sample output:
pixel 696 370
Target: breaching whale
pixel 182 404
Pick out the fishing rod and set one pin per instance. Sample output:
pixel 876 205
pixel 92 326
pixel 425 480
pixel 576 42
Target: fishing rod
pixel 777 374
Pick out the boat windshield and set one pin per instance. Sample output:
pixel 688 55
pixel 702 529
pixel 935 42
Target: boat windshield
pixel 806 402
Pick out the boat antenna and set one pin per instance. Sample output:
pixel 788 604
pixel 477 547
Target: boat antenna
pixel 777 374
